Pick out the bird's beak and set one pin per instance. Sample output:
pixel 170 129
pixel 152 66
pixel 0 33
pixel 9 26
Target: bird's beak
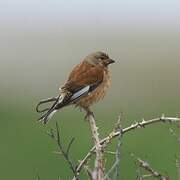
pixel 110 61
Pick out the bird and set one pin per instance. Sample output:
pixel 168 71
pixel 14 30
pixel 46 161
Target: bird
pixel 87 84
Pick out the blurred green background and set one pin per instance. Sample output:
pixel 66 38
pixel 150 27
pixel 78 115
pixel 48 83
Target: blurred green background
pixel 40 43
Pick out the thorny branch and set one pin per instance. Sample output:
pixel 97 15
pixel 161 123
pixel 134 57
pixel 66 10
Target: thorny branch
pixel 104 142
pixel 151 171
pixel 98 172
pixel 177 161
pixel 38 177
pixel 116 166
pixel 89 172
pixel 174 134
pixel 65 153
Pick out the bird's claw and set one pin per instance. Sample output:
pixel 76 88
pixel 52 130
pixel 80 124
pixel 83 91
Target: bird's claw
pixel 88 113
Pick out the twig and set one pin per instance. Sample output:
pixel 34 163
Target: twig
pixel 89 172
pixel 174 134
pixel 110 152
pixel 178 167
pixel 139 174
pixel 116 166
pixel 104 142
pixel 63 152
pixel 38 177
pixel 98 172
pixel 117 162
pixel 150 170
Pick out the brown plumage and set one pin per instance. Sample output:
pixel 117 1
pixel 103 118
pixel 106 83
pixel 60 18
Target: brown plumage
pixel 87 83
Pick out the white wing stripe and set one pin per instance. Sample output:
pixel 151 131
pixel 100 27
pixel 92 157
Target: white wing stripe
pixel 80 93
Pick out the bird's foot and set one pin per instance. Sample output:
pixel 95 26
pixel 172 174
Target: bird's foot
pixel 88 113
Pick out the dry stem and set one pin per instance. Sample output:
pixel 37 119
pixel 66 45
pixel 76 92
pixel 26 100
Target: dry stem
pixel 177 161
pixel 98 173
pixel 104 142
pixel 150 170
pixel 116 166
pixel 63 151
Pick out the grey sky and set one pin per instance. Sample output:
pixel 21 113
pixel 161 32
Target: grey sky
pixel 41 40
pixel 45 11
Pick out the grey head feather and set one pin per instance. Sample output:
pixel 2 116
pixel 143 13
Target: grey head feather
pixel 94 58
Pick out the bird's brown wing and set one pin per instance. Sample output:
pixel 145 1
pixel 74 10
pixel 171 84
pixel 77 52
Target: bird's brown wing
pixel 84 75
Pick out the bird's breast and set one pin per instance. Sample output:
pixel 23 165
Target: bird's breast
pixel 97 94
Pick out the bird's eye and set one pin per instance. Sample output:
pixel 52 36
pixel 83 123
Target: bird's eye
pixel 102 58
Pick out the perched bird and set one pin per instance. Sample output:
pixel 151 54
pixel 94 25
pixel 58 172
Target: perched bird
pixel 87 83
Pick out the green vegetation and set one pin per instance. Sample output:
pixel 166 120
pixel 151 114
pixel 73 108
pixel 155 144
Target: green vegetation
pixel 26 149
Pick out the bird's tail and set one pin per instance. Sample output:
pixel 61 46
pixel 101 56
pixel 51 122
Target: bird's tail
pixel 58 104
pixel 47 116
pixel 65 98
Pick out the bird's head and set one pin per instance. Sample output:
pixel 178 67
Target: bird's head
pixel 99 58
